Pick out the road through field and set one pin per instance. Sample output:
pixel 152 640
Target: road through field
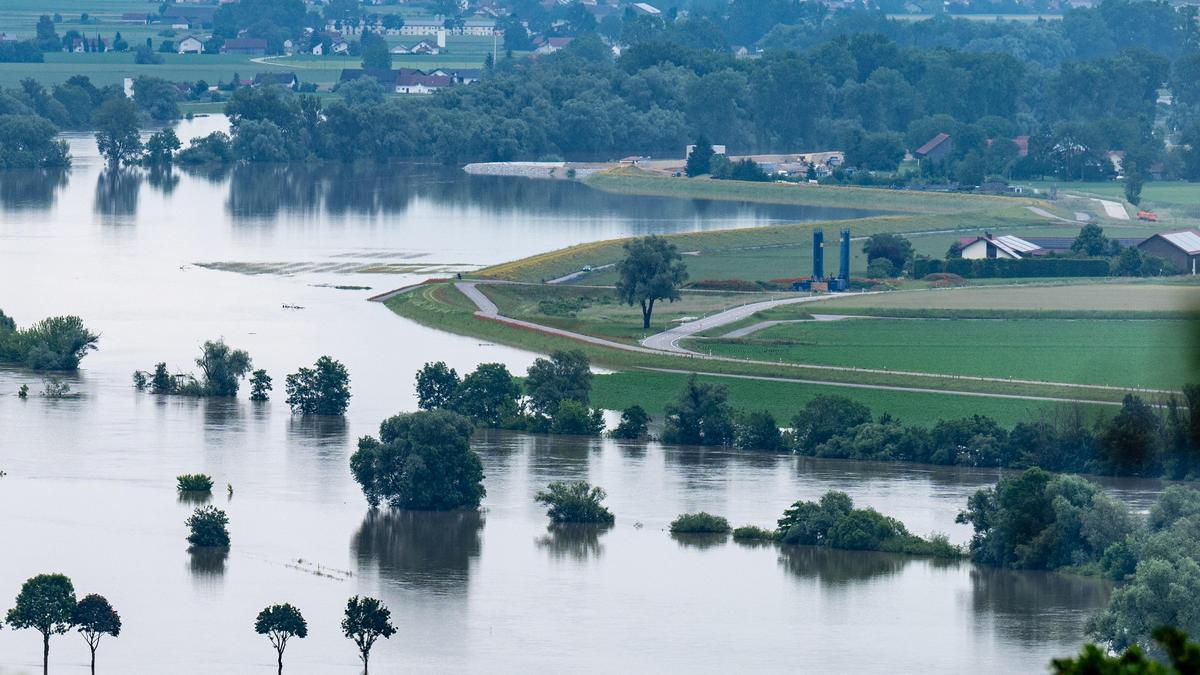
pixel 488 310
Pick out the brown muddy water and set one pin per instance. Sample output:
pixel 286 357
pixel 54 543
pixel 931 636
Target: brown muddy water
pixel 89 489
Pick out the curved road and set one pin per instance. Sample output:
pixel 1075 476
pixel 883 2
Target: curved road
pixel 668 339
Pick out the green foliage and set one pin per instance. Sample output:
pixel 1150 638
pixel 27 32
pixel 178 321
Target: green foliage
pixel 194 482
pixel 1131 440
pixel 575 502
pixel 56 343
pixel 651 270
pixel 1183 655
pixel 891 247
pixel 566 375
pixel 365 621
pixel 94 618
pixel 375 53
pixel 215 148
pixel 824 417
pixel 834 522
pixel 633 424
pixel 488 395
pixel 116 123
pixel 437 386
pixel 700 161
pixel 573 418
pixel 161 147
pixel 46 604
pixel 30 142
pixel 323 389
pixel 421 461
pixel 757 431
pixel 208 528
pixel 700 416
pixel 1003 268
pixel 222 367
pixel 699 523
pixel 1037 520
pixel 752 533
pixel 158 97
pixel 280 623
pixel 162 382
pixel 1091 242
pixel 260 385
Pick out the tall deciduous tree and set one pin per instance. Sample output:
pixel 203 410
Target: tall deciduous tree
pixel 323 389
pixel 116 122
pixel 652 270
pixel 565 375
pixel 699 162
pixel 281 623
pixel 94 618
pixel 700 416
pixel 375 53
pixel 437 385
pixel 367 620
pixel 420 461
pixel 46 604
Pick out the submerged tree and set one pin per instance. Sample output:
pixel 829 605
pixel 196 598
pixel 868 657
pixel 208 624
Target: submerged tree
pixel 575 502
pixel 94 617
pixel 651 270
pixel 323 389
pixel 280 623
pixel 208 528
pixel 46 604
pixel 437 385
pixel 116 122
pixel 260 385
pixel 367 620
pixel 222 367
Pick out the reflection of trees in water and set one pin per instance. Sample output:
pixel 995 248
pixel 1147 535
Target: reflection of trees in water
pixel 163 178
pixel 426 549
pixel 263 190
pixel 700 540
pixel 836 567
pixel 1031 607
pixel 31 188
pixel 207 564
pixel 117 192
pixel 327 435
pixel 577 541
pixel 194 497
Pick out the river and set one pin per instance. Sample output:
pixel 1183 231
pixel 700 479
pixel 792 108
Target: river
pixel 89 489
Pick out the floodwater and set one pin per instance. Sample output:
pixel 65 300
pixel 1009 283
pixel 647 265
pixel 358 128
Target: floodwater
pixel 89 489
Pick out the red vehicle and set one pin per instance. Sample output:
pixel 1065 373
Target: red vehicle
pixel 1148 216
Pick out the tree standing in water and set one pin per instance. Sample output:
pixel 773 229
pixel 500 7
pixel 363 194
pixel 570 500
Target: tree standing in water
pixel 281 623
pixel 95 618
pixel 367 620
pixel 46 603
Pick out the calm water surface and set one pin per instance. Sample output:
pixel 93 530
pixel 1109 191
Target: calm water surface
pixel 90 492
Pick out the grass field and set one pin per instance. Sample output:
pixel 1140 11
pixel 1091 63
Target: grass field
pixel 654 391
pixel 1098 296
pixel 1135 353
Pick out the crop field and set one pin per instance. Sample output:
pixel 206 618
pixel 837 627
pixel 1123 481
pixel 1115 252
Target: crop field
pixel 1108 297
pixel 1128 353
pixel 654 391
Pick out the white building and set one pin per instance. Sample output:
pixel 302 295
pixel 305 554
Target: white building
pixel 1004 247
pixel 191 45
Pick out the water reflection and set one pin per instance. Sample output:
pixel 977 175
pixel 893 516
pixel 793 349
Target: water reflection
pixel 579 542
pixel 700 541
pixel 1029 607
pixel 426 550
pixel 163 178
pixel 117 192
pixel 835 567
pixel 207 565
pixel 194 497
pixel 31 189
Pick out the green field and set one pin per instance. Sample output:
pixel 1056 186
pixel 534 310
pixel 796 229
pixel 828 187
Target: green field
pixel 1138 353
pixel 654 391
pixel 1098 296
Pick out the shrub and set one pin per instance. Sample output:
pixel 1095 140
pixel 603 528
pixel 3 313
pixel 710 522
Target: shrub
pixel 208 526
pixel 757 431
pixel 699 523
pixel 633 425
pixel 576 419
pixel 752 533
pixel 575 502
pixel 194 482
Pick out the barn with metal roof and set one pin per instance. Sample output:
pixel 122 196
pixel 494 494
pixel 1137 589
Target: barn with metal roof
pixel 1004 246
pixel 1180 248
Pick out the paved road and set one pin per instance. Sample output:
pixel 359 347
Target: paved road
pixel 488 310
pixel 668 340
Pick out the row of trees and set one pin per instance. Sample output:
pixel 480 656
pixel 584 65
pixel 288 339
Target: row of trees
pixel 1037 520
pixel 364 622
pixel 323 389
pixel 47 605
pixel 55 343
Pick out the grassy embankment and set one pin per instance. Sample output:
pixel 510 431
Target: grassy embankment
pixel 754 254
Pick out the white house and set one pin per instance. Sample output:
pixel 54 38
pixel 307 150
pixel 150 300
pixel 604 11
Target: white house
pixel 191 45
pixel 423 47
pixel 989 246
pixel 421 27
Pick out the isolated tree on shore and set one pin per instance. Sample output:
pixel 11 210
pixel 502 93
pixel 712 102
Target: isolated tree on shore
pixel 94 617
pixel 116 122
pixel 260 385
pixel 421 460
pixel 367 620
pixel 222 367
pixel 46 604
pixel 281 623
pixel 323 389
pixel 652 270
pixel 699 162
pixel 437 385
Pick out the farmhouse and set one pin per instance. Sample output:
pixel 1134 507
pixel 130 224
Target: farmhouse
pixel 191 16
pixel 248 46
pixel 422 27
pixel 416 82
pixel 1004 247
pixel 191 45
pixel 1180 248
pixel 423 47
pixel 935 149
